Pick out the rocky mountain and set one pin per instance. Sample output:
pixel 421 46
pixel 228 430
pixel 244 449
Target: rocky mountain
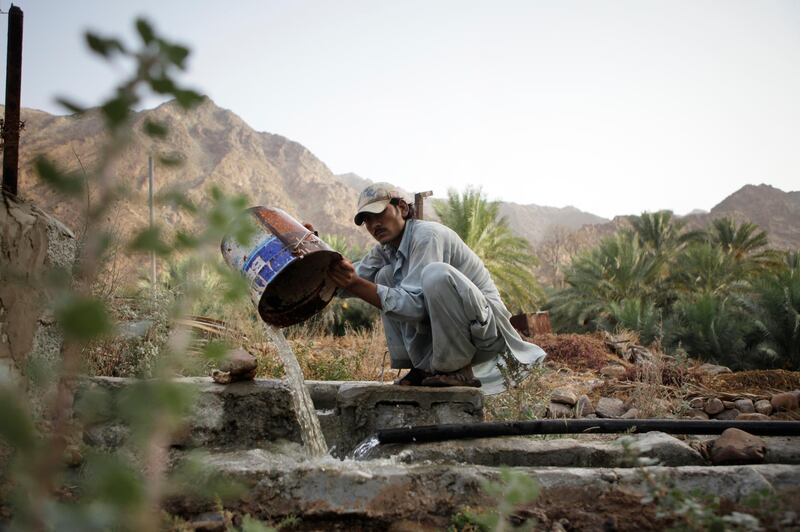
pixel 217 147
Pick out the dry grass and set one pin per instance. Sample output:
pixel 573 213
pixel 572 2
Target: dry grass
pixel 577 351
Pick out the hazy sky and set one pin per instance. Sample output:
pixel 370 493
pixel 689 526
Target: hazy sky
pixel 614 107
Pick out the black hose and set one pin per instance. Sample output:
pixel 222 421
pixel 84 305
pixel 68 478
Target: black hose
pixel 429 433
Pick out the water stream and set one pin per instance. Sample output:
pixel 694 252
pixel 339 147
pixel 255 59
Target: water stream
pixel 364 449
pixel 313 439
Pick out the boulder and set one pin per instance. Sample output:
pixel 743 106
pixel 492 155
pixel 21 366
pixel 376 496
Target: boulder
pixel 728 404
pixel 697 403
pixel 752 416
pixel 564 396
pixel 584 407
pixel 714 406
pixel 785 401
pixel 736 446
pixel 609 407
pixel 632 413
pixel 763 406
pixel 613 371
pixel 559 410
pixel 697 414
pixel 745 406
pixel 236 365
pixel 728 414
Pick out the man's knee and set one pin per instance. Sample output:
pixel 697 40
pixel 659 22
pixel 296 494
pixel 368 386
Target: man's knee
pixel 436 277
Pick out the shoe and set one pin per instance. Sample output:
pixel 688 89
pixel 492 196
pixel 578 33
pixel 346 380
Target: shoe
pixel 414 377
pixel 461 377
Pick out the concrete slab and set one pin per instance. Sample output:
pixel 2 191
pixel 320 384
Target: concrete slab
pixel 562 452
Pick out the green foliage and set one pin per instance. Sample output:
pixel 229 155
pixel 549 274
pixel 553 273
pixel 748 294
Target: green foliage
pixel 513 490
pixel 116 491
pixel 718 294
pixel 508 258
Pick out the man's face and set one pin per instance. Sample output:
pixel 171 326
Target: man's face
pixel 387 226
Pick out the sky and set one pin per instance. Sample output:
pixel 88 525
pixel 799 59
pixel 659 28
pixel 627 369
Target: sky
pixel 613 107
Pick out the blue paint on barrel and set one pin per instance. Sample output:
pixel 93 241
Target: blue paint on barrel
pixel 282 245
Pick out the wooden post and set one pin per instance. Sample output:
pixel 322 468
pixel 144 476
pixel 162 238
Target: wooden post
pixel 419 203
pixel 13 92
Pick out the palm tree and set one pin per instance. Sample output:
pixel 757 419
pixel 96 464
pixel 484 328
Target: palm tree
pixel 775 309
pixel 605 284
pixel 508 258
pixel 745 244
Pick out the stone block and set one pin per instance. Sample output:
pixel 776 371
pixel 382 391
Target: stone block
pixel 728 414
pixel 609 407
pixel 714 406
pixel 736 446
pixel 365 408
pixel 565 396
pixel 559 411
pixel 786 401
pixel 763 406
pixel 745 406
pixel 584 407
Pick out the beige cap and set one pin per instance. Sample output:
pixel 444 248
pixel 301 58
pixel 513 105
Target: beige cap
pixel 374 199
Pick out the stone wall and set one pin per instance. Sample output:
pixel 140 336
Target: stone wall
pixel 32 244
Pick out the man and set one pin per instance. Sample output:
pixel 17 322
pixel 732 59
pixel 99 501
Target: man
pixel 442 314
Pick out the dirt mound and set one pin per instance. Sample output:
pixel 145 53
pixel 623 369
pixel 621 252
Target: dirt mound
pixel 578 351
pixel 757 382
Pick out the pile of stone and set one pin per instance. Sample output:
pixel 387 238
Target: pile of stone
pixel 566 403
pixel 743 408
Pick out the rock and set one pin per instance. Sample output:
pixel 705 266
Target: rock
pixel 209 522
pixel 714 406
pixel 614 371
pixel 712 369
pixel 633 413
pixel 609 407
pixel 752 416
pixel 763 406
pixel 728 414
pixel 728 404
pixel 559 410
pixel 697 403
pixel 697 414
pixel 784 401
pixel 584 407
pixel 564 396
pixel 591 416
pixel 745 406
pixel 238 362
pixel 736 446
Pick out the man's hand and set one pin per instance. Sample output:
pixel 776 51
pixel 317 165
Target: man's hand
pixel 343 273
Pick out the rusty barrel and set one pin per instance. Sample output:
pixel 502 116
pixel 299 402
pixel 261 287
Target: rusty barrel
pixel 286 266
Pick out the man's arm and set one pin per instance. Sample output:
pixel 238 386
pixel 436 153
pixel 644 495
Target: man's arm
pixel 344 275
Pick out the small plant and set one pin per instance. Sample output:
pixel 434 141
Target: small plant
pixel 512 490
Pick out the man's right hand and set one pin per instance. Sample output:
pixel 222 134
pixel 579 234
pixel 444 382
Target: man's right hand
pixel 343 273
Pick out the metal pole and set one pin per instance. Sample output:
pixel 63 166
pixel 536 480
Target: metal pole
pixel 430 433
pixel 13 91
pixel 152 223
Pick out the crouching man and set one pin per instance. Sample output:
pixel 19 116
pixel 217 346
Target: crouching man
pixel 442 314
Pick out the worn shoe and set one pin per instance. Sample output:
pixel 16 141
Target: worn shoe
pixel 461 377
pixel 414 377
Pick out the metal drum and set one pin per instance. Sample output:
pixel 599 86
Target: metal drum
pixel 286 265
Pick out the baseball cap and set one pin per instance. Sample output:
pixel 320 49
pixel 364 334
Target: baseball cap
pixel 374 199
